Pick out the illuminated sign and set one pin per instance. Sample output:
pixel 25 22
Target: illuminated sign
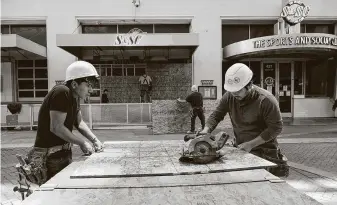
pixel 133 37
pixel 295 41
pixel 294 12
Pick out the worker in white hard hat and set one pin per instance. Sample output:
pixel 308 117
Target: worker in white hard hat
pixel 195 99
pixel 59 113
pixel 255 116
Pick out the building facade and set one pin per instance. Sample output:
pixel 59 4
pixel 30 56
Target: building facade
pixel 177 43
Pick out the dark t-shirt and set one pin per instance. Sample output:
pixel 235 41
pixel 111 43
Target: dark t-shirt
pixel 195 99
pixel 60 98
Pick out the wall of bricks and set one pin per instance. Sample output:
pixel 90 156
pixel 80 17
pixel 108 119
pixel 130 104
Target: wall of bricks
pixel 170 81
pixel 171 116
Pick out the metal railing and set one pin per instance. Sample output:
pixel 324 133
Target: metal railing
pixel 95 115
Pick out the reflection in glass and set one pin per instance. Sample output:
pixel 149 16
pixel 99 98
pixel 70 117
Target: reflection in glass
pixel 298 78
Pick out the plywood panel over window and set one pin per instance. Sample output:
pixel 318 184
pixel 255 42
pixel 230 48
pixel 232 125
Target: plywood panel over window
pixel 148 28
pixel 32 80
pixel 99 29
pixel 234 33
pixel 261 30
pixel 35 33
pixel 171 28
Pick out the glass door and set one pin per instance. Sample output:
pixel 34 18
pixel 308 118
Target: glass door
pixel 285 88
pixel 269 76
pixel 277 79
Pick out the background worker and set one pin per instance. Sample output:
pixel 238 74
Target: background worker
pixel 196 101
pixel 145 87
pixel 59 113
pixel 105 98
pixel 255 116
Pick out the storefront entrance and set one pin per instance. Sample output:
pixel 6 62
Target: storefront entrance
pixel 276 77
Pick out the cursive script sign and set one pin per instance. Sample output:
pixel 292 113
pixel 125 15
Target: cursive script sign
pixel 294 12
pixel 133 37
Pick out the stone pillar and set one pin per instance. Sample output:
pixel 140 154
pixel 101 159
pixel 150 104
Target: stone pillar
pixel 335 60
pixel 59 59
pixel 207 59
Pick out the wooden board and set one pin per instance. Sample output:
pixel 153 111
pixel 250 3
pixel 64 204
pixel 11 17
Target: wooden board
pixel 158 158
pixel 62 180
pixel 255 193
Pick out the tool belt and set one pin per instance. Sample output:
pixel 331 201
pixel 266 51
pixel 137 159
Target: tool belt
pixel 275 156
pixel 34 165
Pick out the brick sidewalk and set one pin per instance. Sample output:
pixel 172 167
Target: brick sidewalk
pixel 319 155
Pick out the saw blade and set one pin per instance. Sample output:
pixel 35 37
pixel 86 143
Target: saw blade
pixel 203 148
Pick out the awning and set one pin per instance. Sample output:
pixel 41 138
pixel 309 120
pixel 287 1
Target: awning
pixel 18 47
pixel 131 44
pixel 310 45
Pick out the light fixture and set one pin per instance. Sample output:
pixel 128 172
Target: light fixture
pixel 136 3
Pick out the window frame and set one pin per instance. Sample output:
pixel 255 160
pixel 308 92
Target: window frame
pixel 326 94
pixel 34 98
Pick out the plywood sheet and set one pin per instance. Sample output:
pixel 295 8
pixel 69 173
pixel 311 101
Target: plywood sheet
pixel 62 182
pixel 154 158
pixel 255 193
pixel 108 165
pixel 119 144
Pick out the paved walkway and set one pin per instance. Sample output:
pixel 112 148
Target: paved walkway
pixel 311 149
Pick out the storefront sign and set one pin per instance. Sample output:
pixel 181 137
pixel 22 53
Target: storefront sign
pixel 300 40
pixel 294 12
pixel 133 37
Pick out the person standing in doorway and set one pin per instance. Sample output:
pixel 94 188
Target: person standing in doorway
pixel 196 101
pixel 145 87
pixel 105 98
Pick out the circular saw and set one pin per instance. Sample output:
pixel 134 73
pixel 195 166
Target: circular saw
pixel 202 148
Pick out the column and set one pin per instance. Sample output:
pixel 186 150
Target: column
pixel 335 60
pixel 207 59
pixel 59 59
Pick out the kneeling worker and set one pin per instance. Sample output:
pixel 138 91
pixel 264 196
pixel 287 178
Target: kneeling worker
pixel 59 112
pixel 255 116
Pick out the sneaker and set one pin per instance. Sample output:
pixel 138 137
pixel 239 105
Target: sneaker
pixel 190 132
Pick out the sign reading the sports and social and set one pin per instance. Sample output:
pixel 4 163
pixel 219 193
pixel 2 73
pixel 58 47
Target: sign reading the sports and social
pixel 294 12
pixel 133 37
pixel 299 40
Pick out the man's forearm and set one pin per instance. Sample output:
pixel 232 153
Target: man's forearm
pixel 65 134
pixel 257 141
pixel 86 132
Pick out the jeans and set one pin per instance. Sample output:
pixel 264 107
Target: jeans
pixel 275 156
pixel 58 161
pixel 200 113
pixel 144 94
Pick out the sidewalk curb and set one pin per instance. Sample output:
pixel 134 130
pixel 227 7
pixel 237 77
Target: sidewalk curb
pixel 306 140
pixel 314 171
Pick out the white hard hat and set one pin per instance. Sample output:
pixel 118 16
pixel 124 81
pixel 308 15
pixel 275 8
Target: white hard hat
pixel 80 69
pixel 194 88
pixel 237 77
